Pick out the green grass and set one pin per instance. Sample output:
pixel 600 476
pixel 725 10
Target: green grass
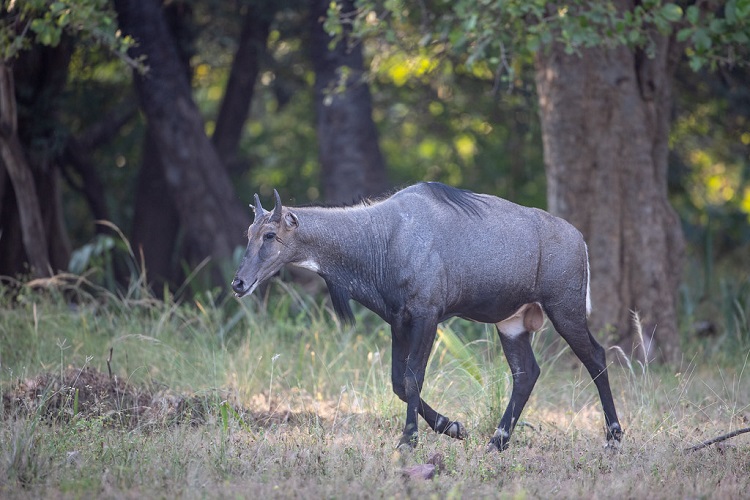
pixel 277 399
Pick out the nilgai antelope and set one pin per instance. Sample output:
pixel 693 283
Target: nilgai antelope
pixel 430 252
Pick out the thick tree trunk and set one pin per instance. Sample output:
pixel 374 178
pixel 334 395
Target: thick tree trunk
pixel 19 171
pixel 351 162
pixel 235 107
pixel 605 126
pixel 58 242
pixel 210 214
pixel 32 137
pixel 156 222
pixel 13 260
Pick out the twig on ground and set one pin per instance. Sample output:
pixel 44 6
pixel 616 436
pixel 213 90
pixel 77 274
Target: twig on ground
pixel 109 360
pixel 723 437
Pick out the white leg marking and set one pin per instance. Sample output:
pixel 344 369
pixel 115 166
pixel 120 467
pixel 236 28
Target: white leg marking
pixel 501 433
pixel 455 430
pixel 441 422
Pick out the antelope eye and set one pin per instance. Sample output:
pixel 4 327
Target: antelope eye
pixel 269 236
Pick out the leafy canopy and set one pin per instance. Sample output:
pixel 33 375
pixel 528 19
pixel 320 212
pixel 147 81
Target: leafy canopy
pixel 23 23
pixel 497 31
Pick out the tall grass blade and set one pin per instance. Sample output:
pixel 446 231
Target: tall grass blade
pixel 457 348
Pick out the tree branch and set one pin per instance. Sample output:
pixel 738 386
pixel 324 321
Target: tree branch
pixel 235 107
pixel 104 130
pixel 77 156
pixel 719 439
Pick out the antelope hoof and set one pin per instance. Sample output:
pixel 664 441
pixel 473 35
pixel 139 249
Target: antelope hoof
pixel 614 433
pixel 499 441
pixel 456 430
pixel 407 442
pixel 496 446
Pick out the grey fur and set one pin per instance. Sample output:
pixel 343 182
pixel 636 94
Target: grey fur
pixel 430 252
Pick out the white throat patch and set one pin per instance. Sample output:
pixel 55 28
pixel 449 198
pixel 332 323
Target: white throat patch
pixel 308 264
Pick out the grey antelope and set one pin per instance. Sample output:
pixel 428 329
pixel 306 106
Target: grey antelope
pixel 430 252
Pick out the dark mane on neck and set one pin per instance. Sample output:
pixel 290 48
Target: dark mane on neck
pixel 458 199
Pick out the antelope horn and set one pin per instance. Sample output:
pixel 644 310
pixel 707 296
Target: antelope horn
pixel 258 208
pixel 276 216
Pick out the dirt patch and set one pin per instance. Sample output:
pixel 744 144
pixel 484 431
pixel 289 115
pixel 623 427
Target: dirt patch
pixel 90 394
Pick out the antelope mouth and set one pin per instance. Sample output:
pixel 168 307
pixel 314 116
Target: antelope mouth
pixel 247 291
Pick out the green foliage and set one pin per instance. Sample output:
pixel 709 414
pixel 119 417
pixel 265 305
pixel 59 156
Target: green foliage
pixel 100 85
pixel 736 312
pixel 715 306
pixel 438 74
pixel 457 348
pixel 510 29
pixel 278 145
pixel 45 22
pixel 96 255
pixel 719 36
pixel 710 174
pixel 436 121
pixel 439 120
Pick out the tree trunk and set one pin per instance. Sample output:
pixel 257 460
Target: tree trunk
pixel 210 214
pixel 235 107
pixel 156 222
pixel 59 247
pixel 605 126
pixel 350 158
pixel 19 170
pixel 33 132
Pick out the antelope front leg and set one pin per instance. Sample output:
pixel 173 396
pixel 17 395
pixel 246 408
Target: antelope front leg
pixel 411 351
pixel 401 353
pixel 410 435
pixel 438 422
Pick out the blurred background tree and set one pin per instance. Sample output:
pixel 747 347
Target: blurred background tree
pixel 607 113
pixel 36 39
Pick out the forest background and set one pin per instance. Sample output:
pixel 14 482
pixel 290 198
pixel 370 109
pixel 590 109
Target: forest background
pixel 163 118
pixel 134 133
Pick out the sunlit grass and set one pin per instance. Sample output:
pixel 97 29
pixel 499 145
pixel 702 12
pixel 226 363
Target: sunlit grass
pixel 297 405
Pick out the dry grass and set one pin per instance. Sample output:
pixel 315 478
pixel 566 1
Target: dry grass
pixel 351 454
pixel 301 408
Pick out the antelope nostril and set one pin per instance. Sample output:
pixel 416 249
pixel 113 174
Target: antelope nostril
pixel 238 285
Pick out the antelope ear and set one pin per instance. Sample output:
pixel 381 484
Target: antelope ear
pixel 276 215
pixel 291 220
